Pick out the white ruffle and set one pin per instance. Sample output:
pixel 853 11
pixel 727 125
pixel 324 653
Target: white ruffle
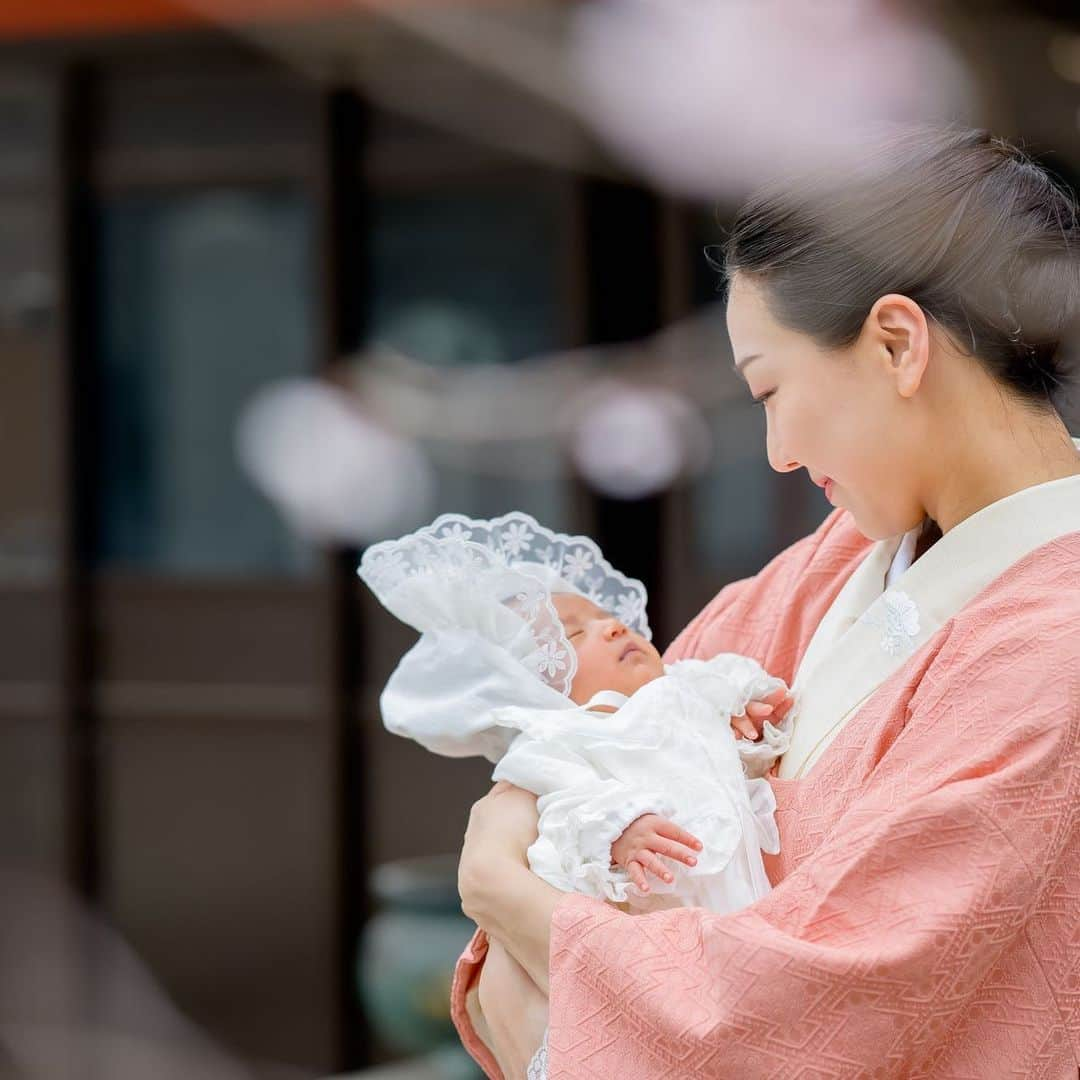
pixel 763 807
pixel 731 682
pixel 758 757
pixel 581 837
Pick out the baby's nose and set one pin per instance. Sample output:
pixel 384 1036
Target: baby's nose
pixel 614 629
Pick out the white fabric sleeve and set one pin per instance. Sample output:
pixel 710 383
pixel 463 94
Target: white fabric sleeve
pixel 544 766
pixel 581 813
pixel 581 816
pixel 576 829
pixel 730 682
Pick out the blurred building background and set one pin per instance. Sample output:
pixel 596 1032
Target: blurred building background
pixel 200 200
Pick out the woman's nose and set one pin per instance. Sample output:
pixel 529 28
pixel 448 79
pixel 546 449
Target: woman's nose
pixel 777 461
pixel 785 466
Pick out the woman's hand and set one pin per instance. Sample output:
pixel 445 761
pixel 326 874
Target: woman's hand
pixel 775 707
pixel 643 842
pixel 502 826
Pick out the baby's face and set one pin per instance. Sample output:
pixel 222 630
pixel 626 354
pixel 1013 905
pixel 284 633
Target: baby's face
pixel 610 656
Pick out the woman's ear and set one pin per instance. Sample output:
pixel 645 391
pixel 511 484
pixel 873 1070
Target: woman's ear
pixel 898 329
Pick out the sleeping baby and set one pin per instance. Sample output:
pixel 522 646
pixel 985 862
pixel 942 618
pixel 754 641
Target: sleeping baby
pixel 536 653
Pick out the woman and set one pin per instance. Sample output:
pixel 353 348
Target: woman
pixel 903 328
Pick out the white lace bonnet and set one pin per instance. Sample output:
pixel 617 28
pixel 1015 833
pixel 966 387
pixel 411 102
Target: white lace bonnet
pixel 480 593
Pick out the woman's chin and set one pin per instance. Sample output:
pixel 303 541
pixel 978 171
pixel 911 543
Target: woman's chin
pixel 878 528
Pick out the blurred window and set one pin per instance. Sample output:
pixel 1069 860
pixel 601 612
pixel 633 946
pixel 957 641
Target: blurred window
pixel 204 296
pixel 466 276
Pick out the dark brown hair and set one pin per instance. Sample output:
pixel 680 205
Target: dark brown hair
pixel 963 223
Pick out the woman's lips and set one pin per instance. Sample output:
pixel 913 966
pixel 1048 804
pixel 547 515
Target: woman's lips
pixel 828 490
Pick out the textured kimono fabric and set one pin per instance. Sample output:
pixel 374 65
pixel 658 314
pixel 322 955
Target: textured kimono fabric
pixel 925 921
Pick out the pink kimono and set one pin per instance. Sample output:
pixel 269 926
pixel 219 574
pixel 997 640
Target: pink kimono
pixel 926 917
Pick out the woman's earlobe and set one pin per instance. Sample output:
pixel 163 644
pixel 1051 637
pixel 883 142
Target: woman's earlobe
pixel 910 365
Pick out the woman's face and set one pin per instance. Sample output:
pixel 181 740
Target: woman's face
pixel 835 413
pixel 610 656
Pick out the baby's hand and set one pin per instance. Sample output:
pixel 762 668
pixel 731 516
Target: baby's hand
pixel 647 838
pixel 748 725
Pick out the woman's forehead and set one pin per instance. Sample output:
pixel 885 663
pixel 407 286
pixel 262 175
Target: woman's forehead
pixel 752 327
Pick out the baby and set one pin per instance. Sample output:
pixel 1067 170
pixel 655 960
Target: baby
pixel 536 653
pixel 612 657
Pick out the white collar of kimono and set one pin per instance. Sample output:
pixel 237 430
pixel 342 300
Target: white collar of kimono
pixel 875 625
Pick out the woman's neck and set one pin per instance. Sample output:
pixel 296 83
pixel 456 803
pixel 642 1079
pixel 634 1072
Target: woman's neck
pixel 998 461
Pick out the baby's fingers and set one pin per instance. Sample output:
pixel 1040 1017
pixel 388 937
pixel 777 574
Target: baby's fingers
pixel 653 864
pixel 680 836
pixel 637 875
pixel 781 701
pixel 745 727
pixel 672 850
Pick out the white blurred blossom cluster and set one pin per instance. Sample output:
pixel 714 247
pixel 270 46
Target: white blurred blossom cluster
pixel 711 98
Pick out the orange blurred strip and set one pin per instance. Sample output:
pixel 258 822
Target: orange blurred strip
pixel 41 18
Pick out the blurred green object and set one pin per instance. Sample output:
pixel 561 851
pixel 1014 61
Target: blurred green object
pixel 407 955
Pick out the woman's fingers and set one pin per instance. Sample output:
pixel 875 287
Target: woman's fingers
pixel 501 826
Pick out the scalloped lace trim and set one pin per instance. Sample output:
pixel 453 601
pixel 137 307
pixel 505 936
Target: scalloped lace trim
pixel 456 548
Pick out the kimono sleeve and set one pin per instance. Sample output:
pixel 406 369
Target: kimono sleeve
pixel 869 954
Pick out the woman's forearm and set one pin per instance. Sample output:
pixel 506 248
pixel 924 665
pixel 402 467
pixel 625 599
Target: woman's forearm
pixel 515 907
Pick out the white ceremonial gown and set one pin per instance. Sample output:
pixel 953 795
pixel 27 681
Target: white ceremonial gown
pixel 669 750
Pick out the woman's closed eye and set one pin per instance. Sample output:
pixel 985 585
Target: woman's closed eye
pixel 762 398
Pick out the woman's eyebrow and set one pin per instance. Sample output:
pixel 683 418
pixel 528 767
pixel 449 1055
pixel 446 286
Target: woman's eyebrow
pixel 739 365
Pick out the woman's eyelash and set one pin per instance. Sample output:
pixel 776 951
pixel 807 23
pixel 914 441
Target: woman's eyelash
pixel 763 398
